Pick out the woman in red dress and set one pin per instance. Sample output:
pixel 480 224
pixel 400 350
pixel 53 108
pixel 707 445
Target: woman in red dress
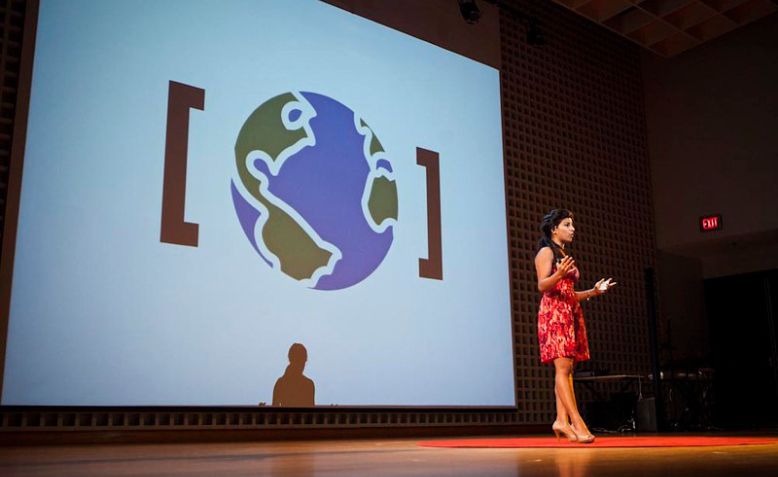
pixel 561 328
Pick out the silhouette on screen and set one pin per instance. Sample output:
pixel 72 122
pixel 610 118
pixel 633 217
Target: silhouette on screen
pixel 294 389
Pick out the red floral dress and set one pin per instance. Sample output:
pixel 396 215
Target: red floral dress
pixel 561 328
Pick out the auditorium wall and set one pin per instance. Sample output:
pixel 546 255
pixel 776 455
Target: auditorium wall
pixel 711 119
pixel 712 115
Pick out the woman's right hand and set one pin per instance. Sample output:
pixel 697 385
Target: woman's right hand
pixel 564 266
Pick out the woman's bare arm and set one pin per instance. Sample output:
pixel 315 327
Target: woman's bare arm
pixel 599 288
pixel 544 263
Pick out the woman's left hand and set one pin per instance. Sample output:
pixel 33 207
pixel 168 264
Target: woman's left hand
pixel 603 286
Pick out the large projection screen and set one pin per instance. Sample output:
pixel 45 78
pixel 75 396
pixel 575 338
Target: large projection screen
pixel 213 190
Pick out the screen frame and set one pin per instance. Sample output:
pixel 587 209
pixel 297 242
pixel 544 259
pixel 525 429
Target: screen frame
pixel 9 240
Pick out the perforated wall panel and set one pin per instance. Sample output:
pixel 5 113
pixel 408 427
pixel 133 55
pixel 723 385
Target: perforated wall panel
pixel 11 24
pixel 575 137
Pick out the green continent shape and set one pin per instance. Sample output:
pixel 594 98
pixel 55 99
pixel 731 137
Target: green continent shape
pixel 264 131
pixel 375 144
pixel 299 255
pixel 383 200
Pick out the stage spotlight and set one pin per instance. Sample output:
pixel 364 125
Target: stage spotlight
pixel 534 35
pixel 469 11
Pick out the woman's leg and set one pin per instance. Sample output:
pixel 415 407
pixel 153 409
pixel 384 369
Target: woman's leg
pixel 561 412
pixel 577 422
pixel 564 392
pixel 572 388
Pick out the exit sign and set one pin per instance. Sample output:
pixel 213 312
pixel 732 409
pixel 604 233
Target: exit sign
pixel 709 223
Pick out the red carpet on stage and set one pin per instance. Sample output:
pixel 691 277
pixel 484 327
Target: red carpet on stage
pixel 605 441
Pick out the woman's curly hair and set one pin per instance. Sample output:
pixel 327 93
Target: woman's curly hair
pixel 550 221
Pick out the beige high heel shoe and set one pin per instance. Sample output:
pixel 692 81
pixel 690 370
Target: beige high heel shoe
pixel 583 438
pixel 564 429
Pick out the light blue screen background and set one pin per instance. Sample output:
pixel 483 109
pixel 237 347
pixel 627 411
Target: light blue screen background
pixel 103 313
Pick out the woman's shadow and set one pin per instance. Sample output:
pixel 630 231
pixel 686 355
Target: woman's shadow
pixel 294 389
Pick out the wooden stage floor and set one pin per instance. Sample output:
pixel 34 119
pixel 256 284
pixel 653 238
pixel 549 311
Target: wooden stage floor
pixel 375 457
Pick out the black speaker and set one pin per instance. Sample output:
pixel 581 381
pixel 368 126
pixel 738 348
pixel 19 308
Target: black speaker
pixel 617 413
pixel 646 415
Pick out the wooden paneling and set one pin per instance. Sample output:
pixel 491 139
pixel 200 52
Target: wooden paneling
pixel 669 27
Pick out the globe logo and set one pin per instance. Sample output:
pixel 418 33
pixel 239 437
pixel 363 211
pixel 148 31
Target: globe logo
pixel 315 194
